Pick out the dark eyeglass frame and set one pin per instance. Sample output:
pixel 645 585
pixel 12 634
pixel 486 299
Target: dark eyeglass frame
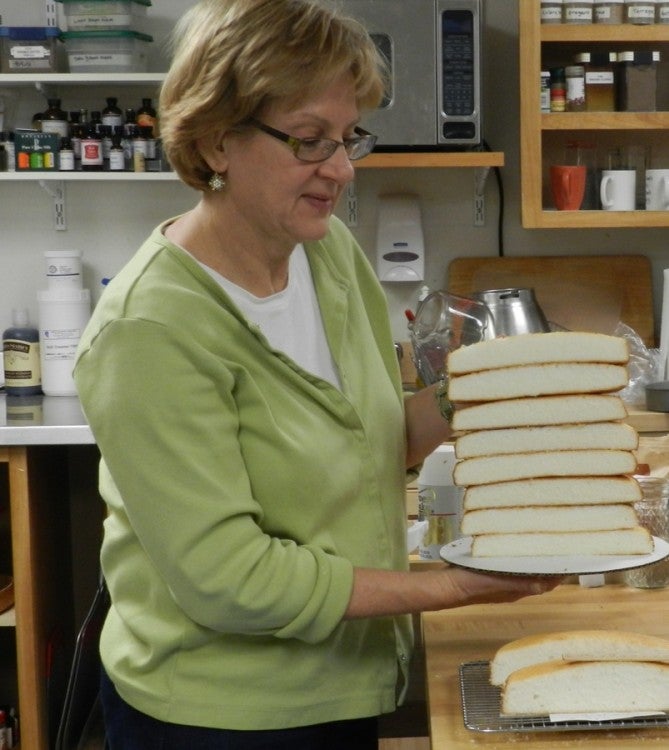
pixel 363 140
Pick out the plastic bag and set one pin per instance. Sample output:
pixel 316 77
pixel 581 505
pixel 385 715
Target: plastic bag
pixel 645 366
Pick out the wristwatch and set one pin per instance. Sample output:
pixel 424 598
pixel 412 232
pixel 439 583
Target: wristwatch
pixel 445 405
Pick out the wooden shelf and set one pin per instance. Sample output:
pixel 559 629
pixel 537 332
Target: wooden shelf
pixel 541 133
pixel 432 160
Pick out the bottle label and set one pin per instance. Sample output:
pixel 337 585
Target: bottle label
pixel 116 160
pixel 21 363
pixel 599 78
pixel 641 12
pixel 91 152
pixel 578 14
pixel 60 343
pixel 551 14
pixel 66 161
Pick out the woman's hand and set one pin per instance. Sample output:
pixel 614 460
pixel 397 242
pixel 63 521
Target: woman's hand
pixel 468 587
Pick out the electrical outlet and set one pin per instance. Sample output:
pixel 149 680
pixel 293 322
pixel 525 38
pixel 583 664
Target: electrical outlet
pixel 479 211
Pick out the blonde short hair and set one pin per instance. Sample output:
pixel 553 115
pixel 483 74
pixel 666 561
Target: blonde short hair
pixel 234 57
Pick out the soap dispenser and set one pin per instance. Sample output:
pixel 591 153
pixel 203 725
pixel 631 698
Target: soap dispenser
pixel 400 248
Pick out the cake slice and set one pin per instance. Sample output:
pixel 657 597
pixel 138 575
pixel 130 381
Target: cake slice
pixel 635 541
pixel 600 435
pixel 538 348
pixel 553 491
pixel 501 468
pixel 586 687
pixel 537 380
pixel 552 518
pixel 539 410
pixel 576 645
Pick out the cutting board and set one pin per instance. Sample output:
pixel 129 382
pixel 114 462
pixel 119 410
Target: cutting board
pixel 580 293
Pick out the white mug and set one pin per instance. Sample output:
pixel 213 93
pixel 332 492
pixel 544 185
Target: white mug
pixel 657 189
pixel 618 189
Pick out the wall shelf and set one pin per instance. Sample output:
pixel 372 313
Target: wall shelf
pixel 543 135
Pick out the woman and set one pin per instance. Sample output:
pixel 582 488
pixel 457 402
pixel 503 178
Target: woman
pixel 240 379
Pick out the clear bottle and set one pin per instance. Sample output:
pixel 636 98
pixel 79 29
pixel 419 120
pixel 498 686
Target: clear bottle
pixel 10 150
pixel 640 12
pixel 147 116
pixel 111 114
pixel 551 11
pixel 55 119
pixel 21 356
pixel 600 89
pixel 610 11
pixel 662 12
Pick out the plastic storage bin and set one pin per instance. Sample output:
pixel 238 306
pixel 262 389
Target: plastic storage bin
pixel 29 49
pixel 104 15
pixel 107 51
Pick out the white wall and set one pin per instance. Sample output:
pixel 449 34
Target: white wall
pixel 109 221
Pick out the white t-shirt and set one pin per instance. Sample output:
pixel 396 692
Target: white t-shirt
pixel 290 319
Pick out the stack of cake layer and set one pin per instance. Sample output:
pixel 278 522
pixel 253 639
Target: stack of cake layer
pixel 542 452
pixel 582 671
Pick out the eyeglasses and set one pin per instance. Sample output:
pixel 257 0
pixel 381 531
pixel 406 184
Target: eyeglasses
pixel 321 149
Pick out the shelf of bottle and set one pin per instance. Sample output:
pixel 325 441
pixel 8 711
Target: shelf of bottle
pixel 32 176
pixel 605 121
pixel 56 79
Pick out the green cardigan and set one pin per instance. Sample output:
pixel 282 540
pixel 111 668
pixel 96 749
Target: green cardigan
pixel 241 492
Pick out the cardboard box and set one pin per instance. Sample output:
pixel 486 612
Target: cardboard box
pixel 36 151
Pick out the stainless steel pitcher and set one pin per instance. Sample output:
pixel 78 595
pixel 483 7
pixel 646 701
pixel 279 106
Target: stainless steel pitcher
pixel 513 311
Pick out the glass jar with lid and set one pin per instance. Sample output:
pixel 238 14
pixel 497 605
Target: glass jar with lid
pixel 551 11
pixel 609 11
pixel 578 11
pixel 600 80
pixel 575 79
pixel 640 12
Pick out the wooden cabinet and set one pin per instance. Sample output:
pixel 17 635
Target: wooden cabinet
pixel 42 616
pixel 543 137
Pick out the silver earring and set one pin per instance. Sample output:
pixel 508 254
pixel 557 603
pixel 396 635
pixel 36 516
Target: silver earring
pixel 216 182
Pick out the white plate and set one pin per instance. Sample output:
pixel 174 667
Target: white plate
pixel 459 553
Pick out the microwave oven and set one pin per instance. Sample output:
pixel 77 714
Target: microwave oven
pixel 433 53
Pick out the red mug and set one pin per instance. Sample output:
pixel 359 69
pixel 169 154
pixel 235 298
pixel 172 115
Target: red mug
pixel 568 186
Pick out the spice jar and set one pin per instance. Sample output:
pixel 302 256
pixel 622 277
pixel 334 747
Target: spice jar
pixel 640 11
pixel 575 78
pixel 558 90
pixel 551 11
pixel 662 11
pixel 600 93
pixel 637 80
pixel 578 11
pixel 653 514
pixel 545 94
pixel 609 11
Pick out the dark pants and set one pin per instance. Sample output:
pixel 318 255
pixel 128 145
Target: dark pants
pixel 129 729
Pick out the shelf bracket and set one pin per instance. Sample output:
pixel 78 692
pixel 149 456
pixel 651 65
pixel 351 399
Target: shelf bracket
pixel 56 189
pixel 480 181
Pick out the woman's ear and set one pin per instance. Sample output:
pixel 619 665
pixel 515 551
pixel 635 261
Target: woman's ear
pixel 212 150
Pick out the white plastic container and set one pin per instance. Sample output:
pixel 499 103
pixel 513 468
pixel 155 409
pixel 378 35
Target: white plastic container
pixel 104 15
pixel 107 51
pixel 439 502
pixel 63 315
pixel 63 269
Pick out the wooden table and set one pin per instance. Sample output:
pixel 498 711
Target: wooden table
pixel 472 633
